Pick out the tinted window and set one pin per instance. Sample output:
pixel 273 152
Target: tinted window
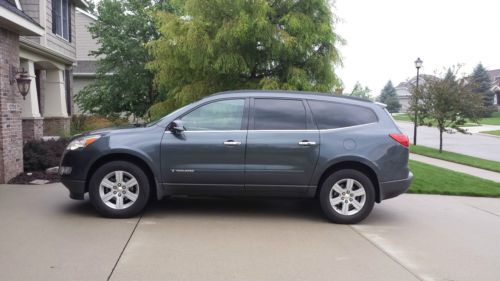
pixel 330 115
pixel 276 114
pixel 220 115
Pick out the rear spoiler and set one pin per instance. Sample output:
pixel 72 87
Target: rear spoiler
pixel 383 105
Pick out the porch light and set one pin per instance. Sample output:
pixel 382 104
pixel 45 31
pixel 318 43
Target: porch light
pixel 23 83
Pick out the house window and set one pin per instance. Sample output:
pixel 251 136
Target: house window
pixel 497 81
pixel 61 18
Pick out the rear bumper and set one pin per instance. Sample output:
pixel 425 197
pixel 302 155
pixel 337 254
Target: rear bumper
pixel 392 189
pixel 76 188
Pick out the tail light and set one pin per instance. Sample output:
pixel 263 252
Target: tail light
pixel 402 139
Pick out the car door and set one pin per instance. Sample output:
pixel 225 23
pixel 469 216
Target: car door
pixel 282 147
pixel 208 157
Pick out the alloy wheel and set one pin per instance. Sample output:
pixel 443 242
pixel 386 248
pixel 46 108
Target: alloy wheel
pixel 119 190
pixel 347 196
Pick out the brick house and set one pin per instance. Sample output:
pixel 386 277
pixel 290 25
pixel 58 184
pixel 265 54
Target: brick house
pixel 39 37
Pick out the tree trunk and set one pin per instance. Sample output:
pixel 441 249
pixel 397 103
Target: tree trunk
pixel 440 140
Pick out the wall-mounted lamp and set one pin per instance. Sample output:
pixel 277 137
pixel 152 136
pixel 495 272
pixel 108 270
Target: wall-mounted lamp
pixel 22 79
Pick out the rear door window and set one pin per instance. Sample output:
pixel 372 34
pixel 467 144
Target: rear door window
pixel 279 114
pixel 331 115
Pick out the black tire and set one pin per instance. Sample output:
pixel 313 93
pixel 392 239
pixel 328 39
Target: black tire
pixel 142 185
pixel 328 209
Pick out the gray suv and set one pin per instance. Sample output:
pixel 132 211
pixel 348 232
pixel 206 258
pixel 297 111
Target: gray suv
pixel 347 153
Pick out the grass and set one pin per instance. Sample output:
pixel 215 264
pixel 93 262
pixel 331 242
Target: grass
pixel 495 133
pixel 435 180
pixel 456 157
pixel 493 120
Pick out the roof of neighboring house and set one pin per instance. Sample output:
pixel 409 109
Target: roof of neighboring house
pixel 494 74
pixel 14 19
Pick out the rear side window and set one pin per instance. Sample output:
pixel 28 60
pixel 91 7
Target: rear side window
pixel 331 115
pixel 279 114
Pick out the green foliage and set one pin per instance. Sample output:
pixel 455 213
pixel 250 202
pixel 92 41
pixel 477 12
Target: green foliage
pixel 361 92
pixel 216 45
pixel 447 102
pixel 84 123
pixel 123 85
pixel 482 86
pixel 40 155
pixel 390 98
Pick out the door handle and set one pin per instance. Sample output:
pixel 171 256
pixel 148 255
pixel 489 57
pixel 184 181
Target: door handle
pixel 232 143
pixel 307 143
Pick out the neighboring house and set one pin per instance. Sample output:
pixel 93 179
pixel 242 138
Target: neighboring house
pixel 85 71
pixel 403 90
pixel 495 79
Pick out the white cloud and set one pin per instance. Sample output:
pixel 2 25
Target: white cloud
pixel 385 37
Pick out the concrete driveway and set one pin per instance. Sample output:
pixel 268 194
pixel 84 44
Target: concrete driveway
pixel 478 145
pixel 46 236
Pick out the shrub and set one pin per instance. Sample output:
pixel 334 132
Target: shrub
pixel 40 155
pixel 84 123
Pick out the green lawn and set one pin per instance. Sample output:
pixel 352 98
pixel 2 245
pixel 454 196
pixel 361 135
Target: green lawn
pixel 495 133
pixel 435 180
pixel 493 120
pixel 456 157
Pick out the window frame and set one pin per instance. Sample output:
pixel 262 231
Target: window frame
pixel 309 122
pixel 244 121
pixel 62 20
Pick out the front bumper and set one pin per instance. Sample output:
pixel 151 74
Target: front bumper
pixel 392 189
pixel 76 188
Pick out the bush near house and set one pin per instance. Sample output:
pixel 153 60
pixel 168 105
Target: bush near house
pixel 84 123
pixel 40 155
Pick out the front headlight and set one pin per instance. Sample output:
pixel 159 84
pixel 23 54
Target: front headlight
pixel 82 142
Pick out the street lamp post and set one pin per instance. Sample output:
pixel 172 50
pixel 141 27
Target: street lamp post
pixel 418 65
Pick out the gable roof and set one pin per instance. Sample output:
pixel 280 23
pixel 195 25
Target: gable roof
pixel 16 20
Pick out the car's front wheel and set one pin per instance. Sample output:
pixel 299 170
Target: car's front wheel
pixel 119 189
pixel 347 196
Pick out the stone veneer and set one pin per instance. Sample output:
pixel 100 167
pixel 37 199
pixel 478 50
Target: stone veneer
pixel 11 139
pixel 32 129
pixel 56 126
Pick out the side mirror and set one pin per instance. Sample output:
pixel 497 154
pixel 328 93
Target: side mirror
pixel 176 127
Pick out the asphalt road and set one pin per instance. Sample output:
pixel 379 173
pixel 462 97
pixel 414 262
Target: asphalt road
pixel 46 236
pixel 486 147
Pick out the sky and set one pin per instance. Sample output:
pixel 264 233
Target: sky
pixel 385 37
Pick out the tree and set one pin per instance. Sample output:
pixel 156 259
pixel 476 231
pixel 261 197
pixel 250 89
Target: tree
pixel 390 98
pixel 361 92
pixel 237 44
pixel 123 85
pixel 482 86
pixel 448 103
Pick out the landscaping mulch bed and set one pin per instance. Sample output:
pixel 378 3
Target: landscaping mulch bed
pixel 27 178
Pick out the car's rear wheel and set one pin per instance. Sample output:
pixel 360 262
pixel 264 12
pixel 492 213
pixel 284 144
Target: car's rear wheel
pixel 119 189
pixel 347 196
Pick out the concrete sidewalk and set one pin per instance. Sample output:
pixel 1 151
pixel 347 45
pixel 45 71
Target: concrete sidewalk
pixel 46 236
pixel 476 172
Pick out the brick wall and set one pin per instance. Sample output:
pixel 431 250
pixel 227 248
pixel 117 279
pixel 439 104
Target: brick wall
pixel 32 129
pixel 56 126
pixel 11 153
